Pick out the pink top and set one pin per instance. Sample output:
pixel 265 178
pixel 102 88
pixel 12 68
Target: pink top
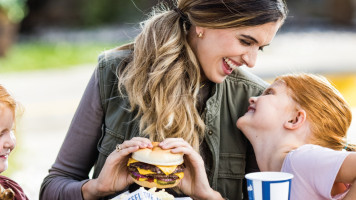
pixel 314 169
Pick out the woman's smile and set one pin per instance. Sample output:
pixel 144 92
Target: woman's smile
pixel 229 65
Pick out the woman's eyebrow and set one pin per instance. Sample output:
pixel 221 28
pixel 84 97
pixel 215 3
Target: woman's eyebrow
pixel 250 37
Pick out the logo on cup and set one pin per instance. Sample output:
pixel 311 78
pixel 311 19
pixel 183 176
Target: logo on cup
pixel 269 185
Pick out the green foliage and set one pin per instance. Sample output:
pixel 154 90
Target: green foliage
pixel 94 12
pixel 15 9
pixel 40 55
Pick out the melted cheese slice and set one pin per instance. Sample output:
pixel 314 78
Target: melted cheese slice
pixel 165 169
pixel 145 171
pixel 131 160
pixel 180 174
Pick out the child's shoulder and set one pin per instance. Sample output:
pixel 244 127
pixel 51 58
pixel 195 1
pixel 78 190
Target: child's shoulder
pixel 315 155
pixel 312 150
pixel 311 147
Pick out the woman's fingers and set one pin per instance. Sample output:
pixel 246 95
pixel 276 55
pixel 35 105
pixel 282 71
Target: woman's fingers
pixel 141 139
pixel 137 141
pixel 171 143
pixel 114 176
pixel 178 145
pixel 130 146
pixel 126 151
pixel 170 140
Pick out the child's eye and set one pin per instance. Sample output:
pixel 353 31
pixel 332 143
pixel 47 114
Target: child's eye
pixel 268 92
pixel 260 48
pixel 5 131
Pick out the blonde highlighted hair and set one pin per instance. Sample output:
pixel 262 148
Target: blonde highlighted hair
pixel 327 111
pixel 162 79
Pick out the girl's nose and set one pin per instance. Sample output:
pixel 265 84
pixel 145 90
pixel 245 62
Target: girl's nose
pixel 10 141
pixel 252 100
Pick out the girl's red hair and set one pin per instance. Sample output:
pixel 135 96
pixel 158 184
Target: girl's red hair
pixel 327 111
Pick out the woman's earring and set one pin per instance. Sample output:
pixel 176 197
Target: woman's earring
pixel 200 35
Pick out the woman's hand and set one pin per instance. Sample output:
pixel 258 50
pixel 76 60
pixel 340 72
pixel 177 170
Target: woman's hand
pixel 114 176
pixel 195 182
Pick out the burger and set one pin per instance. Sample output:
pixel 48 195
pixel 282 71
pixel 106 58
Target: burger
pixel 156 167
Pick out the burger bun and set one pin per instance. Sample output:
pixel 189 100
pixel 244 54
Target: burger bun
pixel 158 156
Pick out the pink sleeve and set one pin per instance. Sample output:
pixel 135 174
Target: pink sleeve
pixel 319 166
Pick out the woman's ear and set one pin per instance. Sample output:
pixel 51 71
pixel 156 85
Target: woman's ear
pixel 297 120
pixel 199 31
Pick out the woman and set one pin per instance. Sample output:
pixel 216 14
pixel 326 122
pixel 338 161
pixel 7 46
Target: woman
pixel 180 78
pixel 299 125
pixel 9 189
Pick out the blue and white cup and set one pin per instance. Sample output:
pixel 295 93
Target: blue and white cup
pixel 269 185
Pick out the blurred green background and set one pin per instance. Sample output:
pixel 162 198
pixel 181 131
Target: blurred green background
pixel 28 20
pixel 49 48
pixel 22 34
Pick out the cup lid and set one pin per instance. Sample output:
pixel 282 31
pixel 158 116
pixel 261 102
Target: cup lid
pixel 269 176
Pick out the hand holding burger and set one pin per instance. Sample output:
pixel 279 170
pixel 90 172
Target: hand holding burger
pixel 156 167
pixel 195 182
pixel 114 175
pixel 117 174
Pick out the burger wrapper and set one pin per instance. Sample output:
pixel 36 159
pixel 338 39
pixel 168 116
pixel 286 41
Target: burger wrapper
pixel 142 194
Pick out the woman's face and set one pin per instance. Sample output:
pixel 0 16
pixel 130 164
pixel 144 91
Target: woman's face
pixel 219 51
pixel 7 137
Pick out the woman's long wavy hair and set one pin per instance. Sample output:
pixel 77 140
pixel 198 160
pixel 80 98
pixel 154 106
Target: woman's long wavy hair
pixel 327 111
pixel 163 78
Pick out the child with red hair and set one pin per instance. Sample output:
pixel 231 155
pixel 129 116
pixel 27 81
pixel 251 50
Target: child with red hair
pixel 299 125
pixel 9 189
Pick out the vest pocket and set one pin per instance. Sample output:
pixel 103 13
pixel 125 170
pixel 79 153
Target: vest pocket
pixel 106 145
pixel 230 175
pixel 109 140
pixel 231 166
